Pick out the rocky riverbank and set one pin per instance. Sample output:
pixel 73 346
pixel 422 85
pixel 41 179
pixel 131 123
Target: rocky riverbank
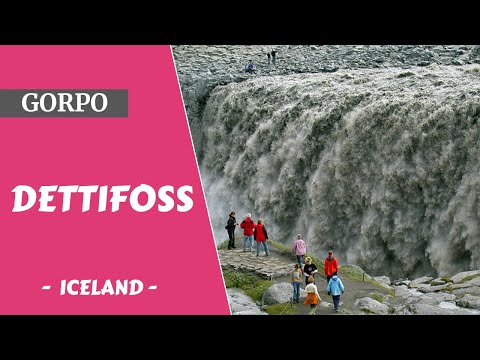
pixel 455 295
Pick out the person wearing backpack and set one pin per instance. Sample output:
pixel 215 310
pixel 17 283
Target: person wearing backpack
pixel 335 288
pixel 230 227
pixel 260 235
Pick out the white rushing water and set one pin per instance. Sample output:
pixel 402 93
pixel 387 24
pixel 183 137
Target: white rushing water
pixel 380 165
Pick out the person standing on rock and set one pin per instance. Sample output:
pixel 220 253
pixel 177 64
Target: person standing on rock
pixel 313 298
pixel 335 288
pixel 260 235
pixel 330 266
pixel 268 56
pixel 274 53
pixel 231 224
pixel 248 226
pixel 296 281
pixel 299 248
pixel 309 270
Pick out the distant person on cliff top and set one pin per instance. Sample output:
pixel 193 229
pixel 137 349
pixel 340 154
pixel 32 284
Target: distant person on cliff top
pixel 274 54
pixel 335 288
pixel 261 236
pixel 299 248
pixel 269 57
pixel 330 266
pixel 250 68
pixel 230 227
pixel 313 298
pixel 248 226
pixel 309 270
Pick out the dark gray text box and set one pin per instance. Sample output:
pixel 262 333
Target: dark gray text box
pixel 116 103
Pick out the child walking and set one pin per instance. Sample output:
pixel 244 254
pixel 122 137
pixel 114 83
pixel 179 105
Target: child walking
pixel 312 296
pixel 335 288
pixel 296 281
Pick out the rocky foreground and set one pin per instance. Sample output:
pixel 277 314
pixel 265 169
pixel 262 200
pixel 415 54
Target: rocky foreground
pixel 455 295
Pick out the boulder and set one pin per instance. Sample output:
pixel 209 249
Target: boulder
pixel 371 306
pixel 472 282
pixel 460 276
pixel 402 291
pixel 438 297
pixel 424 288
pixel 402 282
pixel 469 301
pixel 472 290
pixel 422 280
pixel 278 293
pixel 427 309
pixel 241 304
pixel 437 281
pixel 402 310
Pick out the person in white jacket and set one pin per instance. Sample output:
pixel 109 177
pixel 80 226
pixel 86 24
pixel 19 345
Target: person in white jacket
pixel 313 298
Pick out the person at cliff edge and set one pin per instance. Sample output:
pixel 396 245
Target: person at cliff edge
pixel 331 265
pixel 248 226
pixel 231 224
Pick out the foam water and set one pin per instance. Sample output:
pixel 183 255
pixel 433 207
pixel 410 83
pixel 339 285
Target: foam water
pixel 382 166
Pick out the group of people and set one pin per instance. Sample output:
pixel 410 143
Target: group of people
pixel 251 233
pixel 335 286
pixel 304 268
pixel 271 56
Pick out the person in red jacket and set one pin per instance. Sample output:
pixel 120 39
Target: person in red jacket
pixel 261 236
pixel 248 225
pixel 331 265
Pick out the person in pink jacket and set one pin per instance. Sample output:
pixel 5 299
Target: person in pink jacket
pixel 299 248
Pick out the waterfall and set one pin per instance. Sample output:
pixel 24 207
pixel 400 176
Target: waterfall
pixel 380 165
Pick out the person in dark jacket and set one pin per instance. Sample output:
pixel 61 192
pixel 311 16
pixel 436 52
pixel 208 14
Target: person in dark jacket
pixel 330 265
pixel 231 224
pixel 260 235
pixel 310 269
pixel 250 67
pixel 274 53
pixel 248 225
